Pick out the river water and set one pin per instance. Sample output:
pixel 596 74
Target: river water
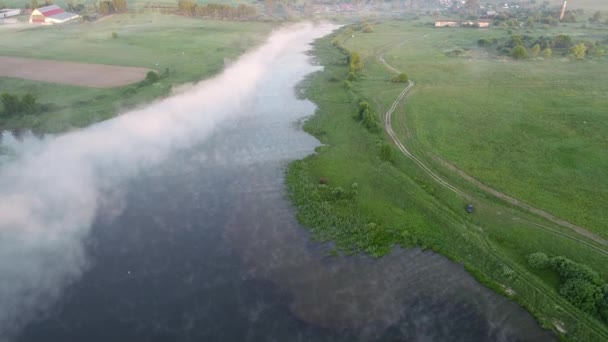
pixel 202 245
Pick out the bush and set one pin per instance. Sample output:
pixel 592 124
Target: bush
pixel 582 294
pixel 484 42
pixel 152 77
pixel 13 105
pixel 401 78
pixel 569 269
pixel 538 260
pixel 386 153
pixel 114 35
pixel 356 65
pixel 519 52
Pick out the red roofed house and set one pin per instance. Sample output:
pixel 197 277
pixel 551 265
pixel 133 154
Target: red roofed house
pixel 51 15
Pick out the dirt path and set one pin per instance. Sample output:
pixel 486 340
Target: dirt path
pixel 70 73
pixel 389 130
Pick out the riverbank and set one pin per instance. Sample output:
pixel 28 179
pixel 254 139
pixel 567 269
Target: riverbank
pixel 181 49
pixel 351 193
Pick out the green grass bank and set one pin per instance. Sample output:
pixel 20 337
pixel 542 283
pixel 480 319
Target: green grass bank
pixel 187 49
pixel 350 193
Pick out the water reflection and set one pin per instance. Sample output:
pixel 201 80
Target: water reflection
pixel 205 247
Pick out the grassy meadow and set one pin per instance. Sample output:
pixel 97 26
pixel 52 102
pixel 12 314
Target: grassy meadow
pixel 517 126
pixel 190 49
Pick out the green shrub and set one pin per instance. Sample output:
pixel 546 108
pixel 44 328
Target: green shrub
pixel 401 78
pixel 519 52
pixel 114 35
pixel 538 260
pixel 386 153
pixel 152 77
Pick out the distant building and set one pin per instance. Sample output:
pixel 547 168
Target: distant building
pixel 7 12
pixel 51 15
pixel 462 23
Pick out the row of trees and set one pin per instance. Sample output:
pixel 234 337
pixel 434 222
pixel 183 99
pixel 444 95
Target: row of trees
pixel 580 285
pixel 191 8
pixel 35 4
pixel 521 47
pixel 14 105
pixel 367 116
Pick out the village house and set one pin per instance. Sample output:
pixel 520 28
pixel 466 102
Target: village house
pixel 49 15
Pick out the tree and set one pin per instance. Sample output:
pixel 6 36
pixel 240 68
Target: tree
pixel 583 294
pixel 538 260
pixel 401 78
pixel 602 304
pixel 519 52
pixel 367 28
pixel 119 5
pixel 547 53
pixel 579 51
pixel 569 269
pixel 597 16
pixel 34 4
pixel 106 7
pixel 599 53
pixel 562 42
pixel 535 50
pixel 356 65
pixel 187 7
pixel 11 104
pixel 28 103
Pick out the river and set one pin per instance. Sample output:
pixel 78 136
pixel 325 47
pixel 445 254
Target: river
pixel 200 244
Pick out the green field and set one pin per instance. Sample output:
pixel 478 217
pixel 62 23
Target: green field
pixel 516 126
pixel 191 49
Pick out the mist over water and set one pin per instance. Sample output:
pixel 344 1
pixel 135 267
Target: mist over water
pixel 50 191
pixel 171 224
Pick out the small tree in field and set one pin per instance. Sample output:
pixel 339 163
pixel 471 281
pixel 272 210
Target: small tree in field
pixel 538 260
pixel 519 52
pixel 186 7
pixel 547 53
pixel 579 51
pixel 401 78
pixel 356 65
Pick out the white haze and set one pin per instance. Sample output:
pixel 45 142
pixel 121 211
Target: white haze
pixel 50 192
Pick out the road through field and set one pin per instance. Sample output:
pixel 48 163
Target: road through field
pixel 568 308
pixel 70 73
pixel 561 222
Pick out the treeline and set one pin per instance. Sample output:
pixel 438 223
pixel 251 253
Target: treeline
pixel 191 8
pixel 525 46
pixel 112 6
pixel 580 285
pixel 546 17
pixel 14 105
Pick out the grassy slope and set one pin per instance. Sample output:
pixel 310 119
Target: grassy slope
pixel 533 130
pixel 402 203
pixel 192 49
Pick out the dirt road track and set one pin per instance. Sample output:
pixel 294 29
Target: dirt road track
pixel 389 130
pixel 70 73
